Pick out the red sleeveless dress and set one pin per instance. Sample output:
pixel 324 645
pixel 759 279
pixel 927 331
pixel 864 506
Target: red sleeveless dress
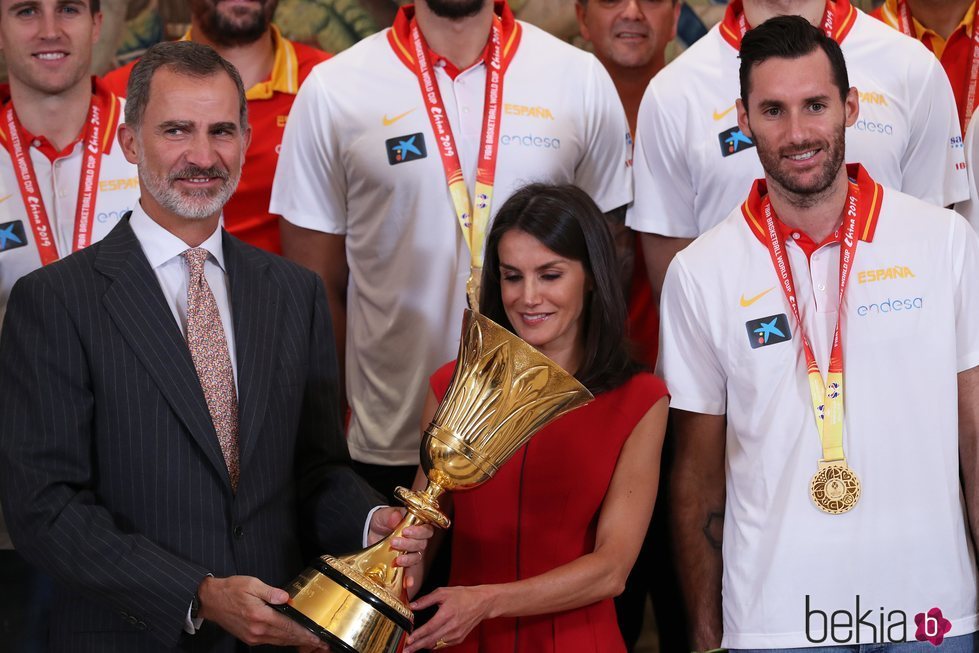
pixel 539 512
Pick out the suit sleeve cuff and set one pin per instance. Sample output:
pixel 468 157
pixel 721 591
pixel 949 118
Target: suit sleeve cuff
pixel 367 525
pixel 193 624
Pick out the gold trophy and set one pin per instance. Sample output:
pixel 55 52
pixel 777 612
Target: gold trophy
pixel 502 392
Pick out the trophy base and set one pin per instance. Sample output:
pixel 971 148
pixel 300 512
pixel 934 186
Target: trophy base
pixel 336 644
pixel 343 613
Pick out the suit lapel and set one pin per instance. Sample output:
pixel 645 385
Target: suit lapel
pixel 136 305
pixel 254 314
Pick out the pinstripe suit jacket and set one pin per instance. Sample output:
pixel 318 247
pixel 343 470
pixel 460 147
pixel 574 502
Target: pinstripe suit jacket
pixel 112 477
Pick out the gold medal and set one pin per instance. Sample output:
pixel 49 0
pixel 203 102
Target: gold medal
pixel 835 489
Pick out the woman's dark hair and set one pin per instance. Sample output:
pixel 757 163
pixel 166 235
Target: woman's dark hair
pixel 566 221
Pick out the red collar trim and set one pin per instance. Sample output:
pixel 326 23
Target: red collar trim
pixel 399 37
pixel 107 101
pixel 870 192
pixel 844 16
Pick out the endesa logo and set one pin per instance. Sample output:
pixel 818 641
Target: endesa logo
pixel 531 140
pixel 111 216
pixel 873 127
pixel 873 626
pixel 889 306
pixel 956 143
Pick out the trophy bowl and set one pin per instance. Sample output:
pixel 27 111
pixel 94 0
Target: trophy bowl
pixel 502 392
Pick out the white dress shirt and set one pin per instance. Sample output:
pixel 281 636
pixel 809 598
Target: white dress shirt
pixel 163 251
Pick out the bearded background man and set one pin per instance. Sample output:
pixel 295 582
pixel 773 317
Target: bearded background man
pixel 272 69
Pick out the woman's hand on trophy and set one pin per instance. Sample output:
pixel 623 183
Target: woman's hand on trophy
pixel 460 610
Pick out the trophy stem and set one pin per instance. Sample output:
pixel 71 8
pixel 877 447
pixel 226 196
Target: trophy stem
pixel 425 505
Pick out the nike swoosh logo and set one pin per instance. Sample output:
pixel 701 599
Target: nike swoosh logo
pixel 751 300
pixel 390 121
pixel 718 116
pixel 5 198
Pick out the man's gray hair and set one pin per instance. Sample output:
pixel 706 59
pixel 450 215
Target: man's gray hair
pixel 184 58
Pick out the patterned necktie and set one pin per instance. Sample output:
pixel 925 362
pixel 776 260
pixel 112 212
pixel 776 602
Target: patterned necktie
pixel 209 349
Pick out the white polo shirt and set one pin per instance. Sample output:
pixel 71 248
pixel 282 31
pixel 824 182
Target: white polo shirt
pixel 693 165
pixel 909 327
pixel 58 175
pixel 562 122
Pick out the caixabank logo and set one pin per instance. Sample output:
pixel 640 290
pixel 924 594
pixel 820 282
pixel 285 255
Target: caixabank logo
pixel 766 331
pixel 402 149
pixel 12 235
pixel 733 140
pixel 873 625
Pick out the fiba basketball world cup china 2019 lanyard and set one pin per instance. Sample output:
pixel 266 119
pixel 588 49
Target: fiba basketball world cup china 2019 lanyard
pixel 835 488
pixel 473 218
pixel 30 191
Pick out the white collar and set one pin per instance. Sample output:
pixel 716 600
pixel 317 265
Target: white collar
pixel 160 246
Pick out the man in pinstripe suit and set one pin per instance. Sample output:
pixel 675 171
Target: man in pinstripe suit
pixel 170 443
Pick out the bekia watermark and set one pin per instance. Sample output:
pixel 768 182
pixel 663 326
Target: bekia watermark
pixel 870 626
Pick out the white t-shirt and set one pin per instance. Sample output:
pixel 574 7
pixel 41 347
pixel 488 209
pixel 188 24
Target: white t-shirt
pixel 693 165
pixel 562 122
pixel 909 327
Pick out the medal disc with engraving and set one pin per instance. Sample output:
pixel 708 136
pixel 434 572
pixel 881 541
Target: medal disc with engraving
pixel 835 489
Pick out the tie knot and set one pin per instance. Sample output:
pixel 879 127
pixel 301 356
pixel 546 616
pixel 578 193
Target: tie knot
pixel 195 258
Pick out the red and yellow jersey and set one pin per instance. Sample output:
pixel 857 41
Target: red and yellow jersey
pixel 955 53
pixel 246 215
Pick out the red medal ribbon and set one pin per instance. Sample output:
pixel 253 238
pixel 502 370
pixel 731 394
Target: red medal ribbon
pixel 472 219
pixel 906 25
pixel 827 397
pixel 31 193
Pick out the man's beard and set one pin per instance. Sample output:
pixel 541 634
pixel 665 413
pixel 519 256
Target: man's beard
pixel 455 9
pixel 197 205
pixel 805 194
pixel 243 27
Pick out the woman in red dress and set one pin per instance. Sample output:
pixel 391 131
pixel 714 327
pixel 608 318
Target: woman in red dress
pixel 539 550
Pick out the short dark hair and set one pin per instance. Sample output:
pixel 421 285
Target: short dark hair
pixel 184 58
pixel 789 37
pixel 566 220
